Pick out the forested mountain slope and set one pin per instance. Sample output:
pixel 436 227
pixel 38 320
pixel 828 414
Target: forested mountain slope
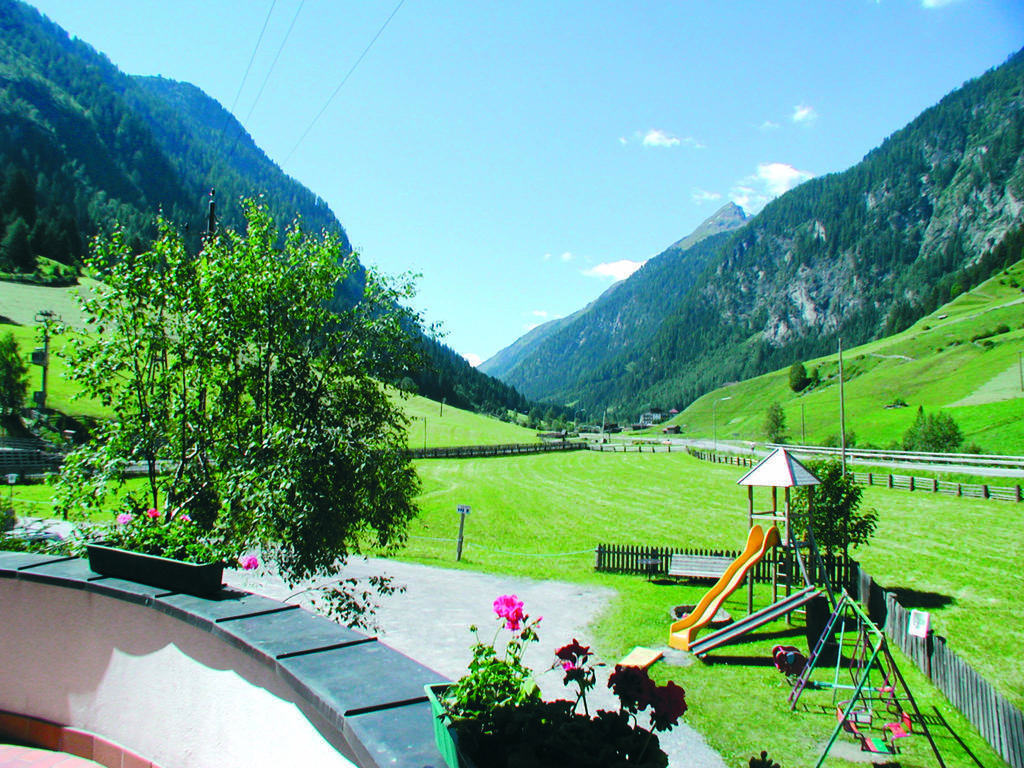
pixel 85 147
pixel 625 317
pixel 856 254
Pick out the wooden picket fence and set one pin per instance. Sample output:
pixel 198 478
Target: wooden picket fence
pixel 654 561
pixel 999 722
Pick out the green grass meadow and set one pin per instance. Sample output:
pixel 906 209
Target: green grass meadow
pixel 529 519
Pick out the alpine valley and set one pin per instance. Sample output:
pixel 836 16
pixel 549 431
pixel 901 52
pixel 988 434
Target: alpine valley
pixel 857 255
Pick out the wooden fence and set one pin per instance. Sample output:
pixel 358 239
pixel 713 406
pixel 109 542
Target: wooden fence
pixel 998 721
pixel 726 458
pixel 931 485
pixel 511 449
pixel 654 561
pixel 900 482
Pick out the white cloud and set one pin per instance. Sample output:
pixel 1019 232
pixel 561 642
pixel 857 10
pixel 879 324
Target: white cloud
pixel 542 313
pixel 804 113
pixel 658 138
pixel 472 359
pixel 770 180
pixel 704 196
pixel 566 256
pixel 617 270
pixel 937 3
pixel 767 125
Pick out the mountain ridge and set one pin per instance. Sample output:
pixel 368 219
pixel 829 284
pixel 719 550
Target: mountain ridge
pixel 859 253
pixel 616 301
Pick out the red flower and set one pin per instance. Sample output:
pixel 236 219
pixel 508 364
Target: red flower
pixel 668 706
pixel 573 653
pixel 633 687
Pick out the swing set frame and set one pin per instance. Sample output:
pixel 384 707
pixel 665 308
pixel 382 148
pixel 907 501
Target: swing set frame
pixel 870 654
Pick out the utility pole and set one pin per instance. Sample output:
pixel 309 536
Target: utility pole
pixel 842 410
pixel 211 218
pixel 41 357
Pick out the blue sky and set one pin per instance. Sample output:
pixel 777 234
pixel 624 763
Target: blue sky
pixel 522 156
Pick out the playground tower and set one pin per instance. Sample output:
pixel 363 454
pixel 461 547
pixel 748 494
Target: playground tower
pixel 799 557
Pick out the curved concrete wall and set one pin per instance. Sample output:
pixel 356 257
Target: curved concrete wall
pixel 186 682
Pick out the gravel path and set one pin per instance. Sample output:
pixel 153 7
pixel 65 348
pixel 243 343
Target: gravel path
pixel 430 623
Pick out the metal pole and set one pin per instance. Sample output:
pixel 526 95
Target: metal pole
pixel 462 528
pixel 842 410
pixel 714 424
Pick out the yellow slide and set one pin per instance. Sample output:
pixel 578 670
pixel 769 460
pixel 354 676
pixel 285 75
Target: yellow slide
pixel 683 631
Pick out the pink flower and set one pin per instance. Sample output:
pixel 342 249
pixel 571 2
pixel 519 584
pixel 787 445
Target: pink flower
pixel 510 608
pixel 249 562
pixel 151 512
pixel 124 518
pixel 184 517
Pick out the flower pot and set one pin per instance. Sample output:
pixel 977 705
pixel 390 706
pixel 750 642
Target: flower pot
pixel 174 575
pixel 444 735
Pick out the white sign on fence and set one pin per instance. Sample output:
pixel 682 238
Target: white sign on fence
pixel 919 624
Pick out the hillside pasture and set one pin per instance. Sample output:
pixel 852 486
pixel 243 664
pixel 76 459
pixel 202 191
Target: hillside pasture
pixel 952 360
pixel 433 425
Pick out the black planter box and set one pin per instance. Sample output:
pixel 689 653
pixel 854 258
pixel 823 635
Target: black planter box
pixel 173 575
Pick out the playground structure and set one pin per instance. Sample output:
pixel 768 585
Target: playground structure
pixel 800 557
pixel 681 634
pixel 877 689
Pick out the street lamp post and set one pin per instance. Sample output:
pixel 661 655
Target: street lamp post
pixel 714 419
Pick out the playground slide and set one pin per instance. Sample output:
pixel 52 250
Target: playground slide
pixel 753 621
pixel 682 633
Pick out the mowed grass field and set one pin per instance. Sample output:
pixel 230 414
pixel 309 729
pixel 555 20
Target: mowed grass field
pixel 542 516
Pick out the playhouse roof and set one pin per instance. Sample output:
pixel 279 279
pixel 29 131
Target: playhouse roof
pixel 780 470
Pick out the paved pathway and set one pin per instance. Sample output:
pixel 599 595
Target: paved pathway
pixel 430 622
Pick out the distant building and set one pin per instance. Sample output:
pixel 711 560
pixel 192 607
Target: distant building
pixel 651 418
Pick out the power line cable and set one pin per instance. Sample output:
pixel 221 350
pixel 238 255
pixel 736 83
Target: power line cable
pixel 266 79
pixel 343 81
pixel 252 58
pixel 241 85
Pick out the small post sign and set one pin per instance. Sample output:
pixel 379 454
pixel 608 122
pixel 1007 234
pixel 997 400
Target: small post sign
pixel 919 624
pixel 463 510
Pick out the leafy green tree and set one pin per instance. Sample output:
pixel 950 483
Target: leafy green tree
pixel 840 524
pixel 268 408
pixel 798 379
pixel 13 375
pixel 16 250
pixel 775 424
pixel 933 433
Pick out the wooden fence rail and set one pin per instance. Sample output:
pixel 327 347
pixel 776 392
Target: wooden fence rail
pixel 899 482
pixel 654 561
pixel 999 722
pixel 931 485
pixel 511 449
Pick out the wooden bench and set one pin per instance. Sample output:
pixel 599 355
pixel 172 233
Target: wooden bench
pixel 699 566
